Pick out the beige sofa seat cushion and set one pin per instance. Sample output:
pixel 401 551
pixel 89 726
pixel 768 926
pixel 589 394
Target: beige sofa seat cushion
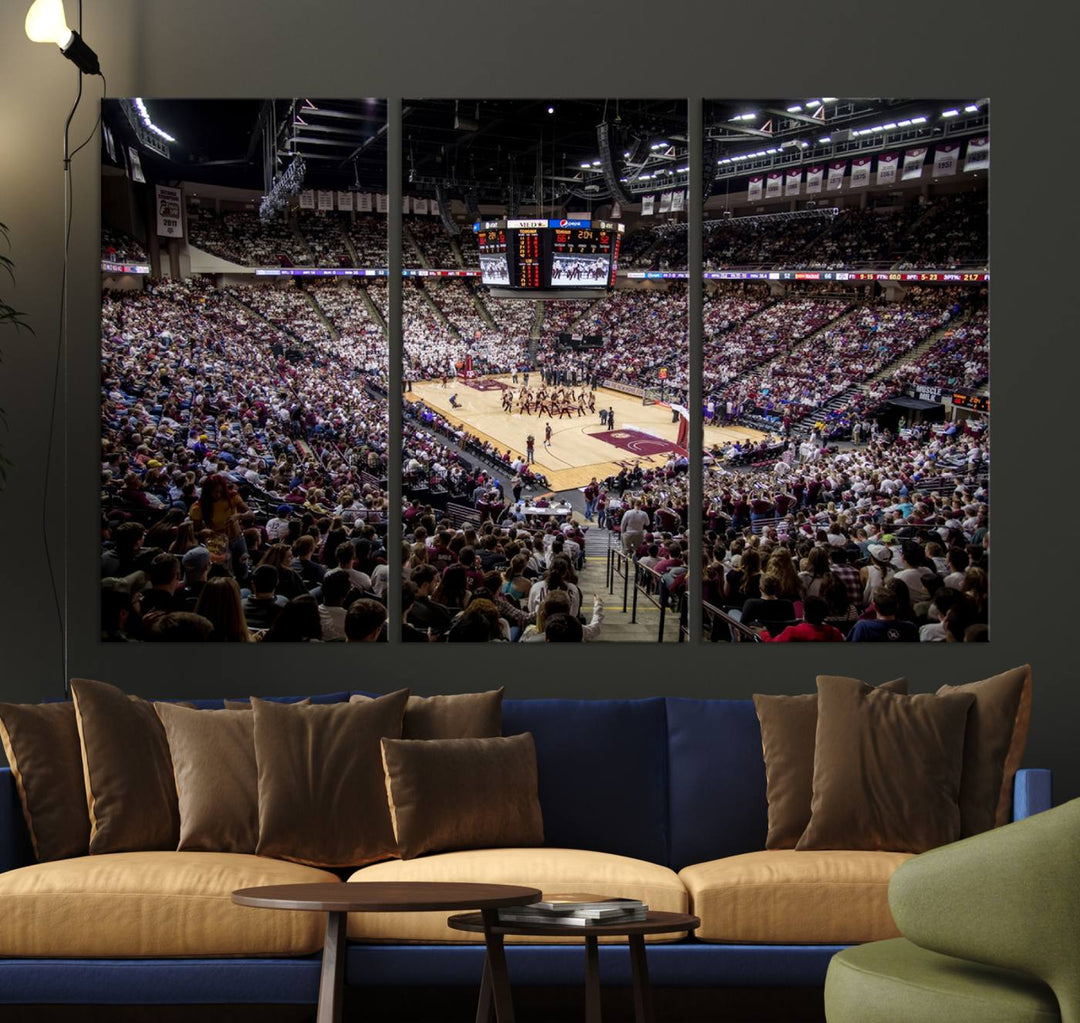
pixel 787 897
pixel 153 904
pixel 550 870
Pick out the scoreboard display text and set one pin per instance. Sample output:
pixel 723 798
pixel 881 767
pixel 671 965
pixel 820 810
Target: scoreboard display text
pixel 542 254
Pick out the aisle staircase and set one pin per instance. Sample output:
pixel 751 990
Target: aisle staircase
pixel 320 312
pixel 373 310
pixel 354 256
pixel 408 240
pixel 887 371
pixel 482 309
pixel 439 314
pixel 538 321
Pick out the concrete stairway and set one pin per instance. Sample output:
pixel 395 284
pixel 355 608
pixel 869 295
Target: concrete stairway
pixel 592 579
pixel 373 311
pixel 887 371
pixel 410 242
pixel 439 314
pixel 320 312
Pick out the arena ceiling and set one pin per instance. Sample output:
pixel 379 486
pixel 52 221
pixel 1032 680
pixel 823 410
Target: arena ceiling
pixel 231 142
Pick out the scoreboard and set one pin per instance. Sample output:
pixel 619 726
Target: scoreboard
pixel 536 255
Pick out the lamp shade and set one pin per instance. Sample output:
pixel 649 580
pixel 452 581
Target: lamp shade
pixel 45 23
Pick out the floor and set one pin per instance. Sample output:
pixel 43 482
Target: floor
pixel 578 449
pixel 457 1005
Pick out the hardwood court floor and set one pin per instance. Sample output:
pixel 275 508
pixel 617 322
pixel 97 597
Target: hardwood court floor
pixel 574 456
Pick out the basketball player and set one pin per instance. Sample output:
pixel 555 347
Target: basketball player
pixel 530 448
pixel 610 418
pixel 547 436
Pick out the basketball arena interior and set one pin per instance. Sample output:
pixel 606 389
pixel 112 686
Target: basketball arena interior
pixel 554 389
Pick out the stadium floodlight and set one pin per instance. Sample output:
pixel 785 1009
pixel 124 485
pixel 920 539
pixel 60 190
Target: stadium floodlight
pixel 824 139
pixel 796 109
pixel 743 117
pixel 903 124
pixel 950 113
pixel 813 102
pixel 918 120
pixel 889 126
pixel 971 108
pixel 586 166
pixel 144 114
pixel 828 99
pixel 551 110
pixel 596 163
pixel 46 23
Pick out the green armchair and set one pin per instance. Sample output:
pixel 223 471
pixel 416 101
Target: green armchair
pixel 991 930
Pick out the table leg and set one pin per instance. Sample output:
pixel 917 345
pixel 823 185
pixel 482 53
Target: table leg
pixel 592 980
pixel 485 1006
pixel 643 1012
pixel 331 986
pixel 496 959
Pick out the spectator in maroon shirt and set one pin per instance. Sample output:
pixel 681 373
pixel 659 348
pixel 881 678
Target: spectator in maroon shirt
pixel 813 630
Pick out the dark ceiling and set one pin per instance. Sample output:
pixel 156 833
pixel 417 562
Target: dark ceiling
pixel 227 142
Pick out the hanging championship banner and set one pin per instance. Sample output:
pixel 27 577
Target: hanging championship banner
pixel 382 202
pixel 325 199
pixel 616 211
pixel 886 168
pixel 753 190
pixel 860 172
pixel 913 163
pixel 793 184
pixel 836 175
pixel 307 199
pixel 419 206
pixel 946 159
pixel 647 205
pixel 363 202
pixel 978 154
pixel 169 223
pixel 774 183
pixel 665 202
pixel 344 200
pixel 406 203
pixel 678 201
pixel 814 177
pixel 134 166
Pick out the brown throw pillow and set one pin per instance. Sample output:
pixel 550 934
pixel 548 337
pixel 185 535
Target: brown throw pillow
pixel 42 746
pixel 886 769
pixel 322 796
pixel 217 781
pixel 994 745
pixel 127 770
pixel 246 704
pixel 463 793
pixel 458 716
pixel 788 724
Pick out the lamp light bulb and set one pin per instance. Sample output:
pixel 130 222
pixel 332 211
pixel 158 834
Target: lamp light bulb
pixel 45 23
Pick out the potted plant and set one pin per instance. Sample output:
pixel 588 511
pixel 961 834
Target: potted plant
pixel 8 317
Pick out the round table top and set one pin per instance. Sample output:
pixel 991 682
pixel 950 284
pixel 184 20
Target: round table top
pixel 655 922
pixel 385 896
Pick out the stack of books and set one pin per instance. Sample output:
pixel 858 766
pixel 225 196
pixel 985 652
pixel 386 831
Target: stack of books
pixel 575 909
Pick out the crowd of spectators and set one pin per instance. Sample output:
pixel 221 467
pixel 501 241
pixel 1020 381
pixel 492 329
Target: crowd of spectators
pixel 120 247
pixel 324 232
pixel 368 234
pixel 286 307
pixel 952 234
pixel 222 454
pixel 431 242
pixel 241 237
pixel 892 534
pixel 959 358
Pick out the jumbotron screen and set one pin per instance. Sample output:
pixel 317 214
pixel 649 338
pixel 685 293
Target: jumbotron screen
pixel 534 255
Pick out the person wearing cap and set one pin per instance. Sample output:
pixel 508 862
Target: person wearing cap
pixel 877 571
pixel 196 564
pixel 277 528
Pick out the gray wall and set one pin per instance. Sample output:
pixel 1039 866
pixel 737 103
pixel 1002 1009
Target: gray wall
pixel 317 47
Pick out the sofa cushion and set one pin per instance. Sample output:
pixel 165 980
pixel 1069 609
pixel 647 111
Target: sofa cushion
pixel 786 897
pixel 456 716
pixel 127 770
pixel 896 980
pixel 550 870
pixel 42 746
pixel 602 771
pixel 448 794
pixel 711 744
pixel 153 904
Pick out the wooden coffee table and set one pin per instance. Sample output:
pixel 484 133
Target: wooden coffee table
pixel 337 900
pixel 496 979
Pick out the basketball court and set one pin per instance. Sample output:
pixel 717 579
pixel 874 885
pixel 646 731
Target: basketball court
pixel 581 447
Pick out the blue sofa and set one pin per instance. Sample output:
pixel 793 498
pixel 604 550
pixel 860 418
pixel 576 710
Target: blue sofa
pixel 670 781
